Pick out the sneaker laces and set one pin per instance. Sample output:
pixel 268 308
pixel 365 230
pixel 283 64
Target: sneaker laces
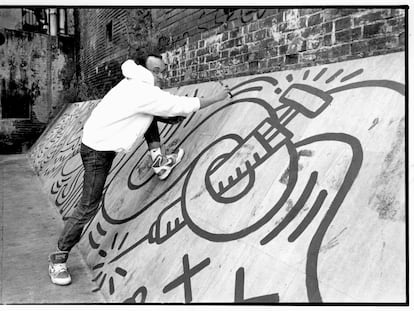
pixel 60 267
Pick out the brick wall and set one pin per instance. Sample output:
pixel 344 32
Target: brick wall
pixel 206 44
pixel 38 72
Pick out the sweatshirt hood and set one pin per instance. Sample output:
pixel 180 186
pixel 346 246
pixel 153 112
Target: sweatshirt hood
pixel 131 70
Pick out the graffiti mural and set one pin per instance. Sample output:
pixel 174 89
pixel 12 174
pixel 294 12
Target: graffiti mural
pixel 268 201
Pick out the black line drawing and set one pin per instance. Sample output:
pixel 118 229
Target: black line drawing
pixel 185 278
pixel 224 190
pixel 239 296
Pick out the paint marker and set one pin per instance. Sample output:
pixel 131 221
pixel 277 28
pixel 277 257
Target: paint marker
pixel 221 83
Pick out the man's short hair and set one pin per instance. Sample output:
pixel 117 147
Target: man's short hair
pixel 140 56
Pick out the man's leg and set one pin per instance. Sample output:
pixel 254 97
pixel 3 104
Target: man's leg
pixel 161 164
pixel 97 165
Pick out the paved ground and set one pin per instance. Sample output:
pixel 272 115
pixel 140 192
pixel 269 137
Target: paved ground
pixel 29 227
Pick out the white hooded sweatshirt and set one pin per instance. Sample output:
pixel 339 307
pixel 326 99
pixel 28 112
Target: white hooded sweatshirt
pixel 127 110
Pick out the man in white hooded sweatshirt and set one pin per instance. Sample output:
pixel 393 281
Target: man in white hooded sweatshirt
pixel 126 113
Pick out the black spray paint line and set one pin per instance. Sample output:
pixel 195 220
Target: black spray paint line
pixel 97 277
pixel 132 300
pixel 72 202
pixel 306 74
pixel 123 241
pixel 193 114
pixel 374 123
pixel 100 285
pixel 114 240
pixel 189 119
pixel 185 278
pixel 267 79
pixel 92 242
pixel 162 134
pixel 312 284
pixel 320 74
pixel 334 76
pixel 133 246
pixel 286 113
pixel 111 286
pixel 247 90
pixel 68 192
pixel 172 126
pixel 64 177
pixel 101 231
pixel 171 136
pixel 309 216
pixel 294 211
pixel 352 75
pixel 290 118
pixel 164 128
pixel 98 266
pixel 239 292
pixel 396 86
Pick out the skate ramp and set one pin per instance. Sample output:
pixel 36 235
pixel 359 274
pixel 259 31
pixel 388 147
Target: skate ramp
pixel 292 191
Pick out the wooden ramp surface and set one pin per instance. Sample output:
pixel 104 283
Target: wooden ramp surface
pixel 292 191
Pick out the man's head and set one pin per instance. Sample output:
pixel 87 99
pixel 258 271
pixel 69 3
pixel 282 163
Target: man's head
pixel 153 62
pixel 157 67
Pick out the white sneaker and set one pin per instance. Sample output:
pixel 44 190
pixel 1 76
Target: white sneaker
pixel 58 271
pixel 163 165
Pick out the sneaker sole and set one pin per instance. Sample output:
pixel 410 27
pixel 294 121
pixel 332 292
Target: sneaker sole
pixel 61 283
pixel 180 156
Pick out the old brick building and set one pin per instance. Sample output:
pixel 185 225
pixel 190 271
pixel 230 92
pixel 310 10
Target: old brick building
pixel 202 44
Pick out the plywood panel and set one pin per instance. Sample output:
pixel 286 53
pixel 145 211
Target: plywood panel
pixel 292 191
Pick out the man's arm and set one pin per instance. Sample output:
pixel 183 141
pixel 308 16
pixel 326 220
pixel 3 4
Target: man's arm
pixel 157 102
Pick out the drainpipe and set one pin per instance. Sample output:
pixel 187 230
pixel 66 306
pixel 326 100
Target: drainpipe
pixel 62 21
pixel 53 22
pixel 53 28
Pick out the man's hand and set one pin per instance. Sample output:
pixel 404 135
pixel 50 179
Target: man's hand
pixel 223 94
pixel 207 101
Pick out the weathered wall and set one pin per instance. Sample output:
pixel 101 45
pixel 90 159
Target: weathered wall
pixel 203 44
pixel 292 191
pixel 11 18
pixel 36 71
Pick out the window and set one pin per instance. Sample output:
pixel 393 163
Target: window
pixel 109 32
pixel 15 101
pixel 34 19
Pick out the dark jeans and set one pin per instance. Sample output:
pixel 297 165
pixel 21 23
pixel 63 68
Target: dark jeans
pixel 97 165
pixel 152 134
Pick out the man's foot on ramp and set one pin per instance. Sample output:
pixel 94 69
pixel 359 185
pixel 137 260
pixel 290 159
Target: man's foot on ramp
pixel 58 271
pixel 163 165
